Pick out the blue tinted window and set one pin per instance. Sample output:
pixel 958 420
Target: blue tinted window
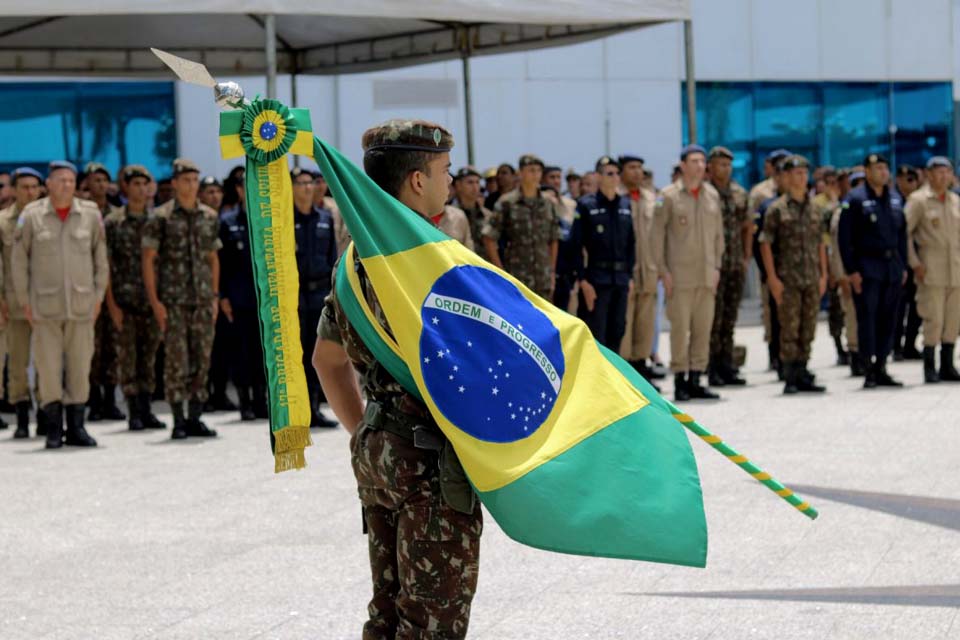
pixel 856 121
pixel 923 115
pixel 115 123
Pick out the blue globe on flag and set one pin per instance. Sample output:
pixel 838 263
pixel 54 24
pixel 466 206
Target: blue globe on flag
pixel 491 360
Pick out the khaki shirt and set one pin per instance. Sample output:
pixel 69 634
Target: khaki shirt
pixel 688 235
pixel 835 262
pixel 761 192
pixel 934 227
pixel 8 228
pixel 60 267
pixel 455 224
pixel 645 269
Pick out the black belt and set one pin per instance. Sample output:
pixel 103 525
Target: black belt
pixel 880 253
pixel 610 266
pixel 405 425
pixel 320 284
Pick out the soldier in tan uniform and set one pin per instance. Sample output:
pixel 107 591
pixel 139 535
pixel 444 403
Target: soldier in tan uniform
pixel 688 246
pixel 60 274
pixel 15 333
pixel 933 222
pixel 466 183
pixel 323 200
pixel 453 222
pixel 642 302
pixel 845 294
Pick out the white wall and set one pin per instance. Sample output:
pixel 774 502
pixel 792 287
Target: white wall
pixel 570 105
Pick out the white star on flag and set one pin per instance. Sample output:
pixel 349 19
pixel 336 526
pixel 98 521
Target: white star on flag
pixel 436 320
pixel 496 391
pixel 462 389
pixel 440 354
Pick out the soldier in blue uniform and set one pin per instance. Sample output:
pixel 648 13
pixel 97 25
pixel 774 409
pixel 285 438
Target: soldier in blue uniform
pixel 238 303
pixel 603 228
pixel 316 256
pixel 872 236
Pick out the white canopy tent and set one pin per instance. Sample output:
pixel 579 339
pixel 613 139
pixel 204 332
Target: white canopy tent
pixel 240 37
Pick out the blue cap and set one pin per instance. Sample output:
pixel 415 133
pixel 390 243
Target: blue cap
pixel 61 164
pixel 629 157
pixel 857 175
pixel 939 161
pixel 777 155
pixel 692 148
pixel 22 172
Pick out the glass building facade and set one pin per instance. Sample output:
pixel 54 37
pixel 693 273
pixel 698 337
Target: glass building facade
pixel 115 123
pixel 835 123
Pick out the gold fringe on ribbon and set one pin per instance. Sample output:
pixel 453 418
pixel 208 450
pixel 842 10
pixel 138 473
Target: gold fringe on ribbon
pixel 289 460
pixel 292 437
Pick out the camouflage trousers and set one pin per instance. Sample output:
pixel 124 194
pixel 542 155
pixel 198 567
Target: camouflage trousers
pixel 103 367
pixel 729 294
pixel 137 343
pixel 188 342
pixel 424 555
pixel 798 322
pixel 835 313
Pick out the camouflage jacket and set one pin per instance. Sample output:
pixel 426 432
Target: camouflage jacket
pixel 527 229
pixel 478 217
pixel 793 230
pixel 124 239
pixel 733 204
pixel 183 240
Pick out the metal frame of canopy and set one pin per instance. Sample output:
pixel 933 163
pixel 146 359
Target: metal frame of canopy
pixel 465 41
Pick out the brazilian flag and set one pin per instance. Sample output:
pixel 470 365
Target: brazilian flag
pixel 569 449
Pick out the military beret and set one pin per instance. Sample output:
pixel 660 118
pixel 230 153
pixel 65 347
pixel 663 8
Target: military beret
pixel 572 173
pixel 132 171
pixel 606 161
pixel 25 172
pixel 490 173
pixel 407 135
pixel 210 181
pixel 552 168
pixel 529 159
pixel 794 162
pixel 629 157
pixel 95 167
pixel 828 171
pixel 505 165
pixel 182 165
pixel 857 175
pixel 692 148
pixel 61 164
pixel 720 152
pixel 939 161
pixel 466 172
pixel 302 171
pixel 777 155
pixel 874 158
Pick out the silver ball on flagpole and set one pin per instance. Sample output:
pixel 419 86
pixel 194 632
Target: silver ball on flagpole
pixel 228 95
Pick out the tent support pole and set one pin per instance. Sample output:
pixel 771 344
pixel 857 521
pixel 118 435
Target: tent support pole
pixel 691 81
pixel 467 102
pixel 270 29
pixel 293 103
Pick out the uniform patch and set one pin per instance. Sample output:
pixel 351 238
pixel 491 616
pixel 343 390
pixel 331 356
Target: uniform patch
pixel 873 217
pixel 682 220
pixel 599 228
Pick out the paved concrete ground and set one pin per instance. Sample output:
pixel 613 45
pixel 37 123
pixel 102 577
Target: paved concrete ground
pixel 145 538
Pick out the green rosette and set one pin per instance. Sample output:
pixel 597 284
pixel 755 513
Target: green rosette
pixel 268 130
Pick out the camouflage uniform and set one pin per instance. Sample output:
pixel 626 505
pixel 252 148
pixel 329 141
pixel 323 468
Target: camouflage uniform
pixel 793 229
pixel 139 337
pixel 18 330
pixel 733 202
pixel 760 193
pixel 104 367
pixel 528 228
pixel 183 239
pixel 824 208
pixel 478 217
pixel 422 519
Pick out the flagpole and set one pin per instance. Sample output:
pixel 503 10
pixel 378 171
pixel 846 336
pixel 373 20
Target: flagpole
pixel 741 461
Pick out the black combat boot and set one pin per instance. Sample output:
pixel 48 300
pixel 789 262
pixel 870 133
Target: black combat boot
pixel 857 369
pixel 246 404
pixel 930 375
pixel 640 366
pixel 730 376
pixel 53 420
pixel 805 380
pixel 317 419
pixel 698 392
pixel 150 421
pixel 179 422
pixel 23 420
pixel 680 390
pixel 3 424
pixel 869 374
pixel 910 351
pixel 95 404
pixel 259 402
pixel 714 375
pixel 790 378
pixel 196 426
pixel 882 377
pixel 948 372
pixel 773 352
pixel 134 422
pixel 110 410
pixel 77 435
pixel 843 358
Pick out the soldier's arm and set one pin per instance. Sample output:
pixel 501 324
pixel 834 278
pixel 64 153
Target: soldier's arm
pixel 491 234
pixel 467 236
pixel 20 264
pixel 823 266
pixel 101 266
pixel 335 371
pixel 771 226
pixel 913 212
pixel 213 259
pixel 661 217
pixel 846 235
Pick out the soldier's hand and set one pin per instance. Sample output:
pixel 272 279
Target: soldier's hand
pixel 160 312
pixel 116 316
pixel 5 310
pixel 227 309
pixel 96 310
pixel 919 272
pixel 776 289
pixel 667 280
pixel 28 314
pixel 856 281
pixel 589 294
pixel 716 279
pixel 844 285
pixel 216 310
pixel 823 285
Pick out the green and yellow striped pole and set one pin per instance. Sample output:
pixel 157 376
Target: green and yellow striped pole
pixel 758 474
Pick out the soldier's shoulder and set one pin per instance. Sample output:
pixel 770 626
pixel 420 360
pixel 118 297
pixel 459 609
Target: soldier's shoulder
pixel 921 194
pixel 116 215
pixel 670 191
pixel 164 210
pixel 35 208
pixel 208 212
pixel 710 190
pixel 511 197
pixel 737 189
pixel 9 212
pixel 454 212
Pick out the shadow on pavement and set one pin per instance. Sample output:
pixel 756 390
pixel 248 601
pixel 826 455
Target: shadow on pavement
pixel 941 512
pixel 941 595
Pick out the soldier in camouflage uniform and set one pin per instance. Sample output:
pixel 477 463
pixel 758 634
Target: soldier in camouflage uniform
pixel 825 203
pixel 137 333
pixel 16 331
pixel 182 237
pixel 737 238
pixel 527 226
pixel 466 183
pixel 797 277
pixel 422 519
